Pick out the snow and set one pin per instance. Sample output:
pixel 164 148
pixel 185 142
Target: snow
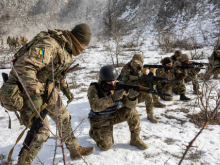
pixel 167 139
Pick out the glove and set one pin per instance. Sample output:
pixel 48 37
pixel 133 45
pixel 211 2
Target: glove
pixel 37 101
pixel 132 94
pixel 197 70
pixel 118 95
pixel 68 94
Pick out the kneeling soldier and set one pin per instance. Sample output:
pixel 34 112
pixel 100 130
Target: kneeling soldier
pixel 106 111
pixel 171 74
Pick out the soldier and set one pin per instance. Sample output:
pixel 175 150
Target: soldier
pixel 213 61
pixel 24 41
pixel 13 43
pixel 33 64
pixel 9 42
pixel 171 74
pixel 176 56
pixel 106 111
pixel 18 42
pixel 127 68
pixel 190 74
pixel 2 43
pixel 131 78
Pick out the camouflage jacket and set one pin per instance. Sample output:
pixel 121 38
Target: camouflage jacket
pixel 99 104
pixel 173 58
pixel 35 65
pixel 184 71
pixel 169 74
pixel 215 57
pixel 126 79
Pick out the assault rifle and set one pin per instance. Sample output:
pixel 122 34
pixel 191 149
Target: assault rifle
pixel 68 70
pixel 162 66
pixel 198 63
pixel 140 89
pixel 37 122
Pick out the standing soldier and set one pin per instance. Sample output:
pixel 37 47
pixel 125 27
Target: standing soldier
pixel 131 78
pixel 18 42
pixel 9 42
pixel 24 41
pixel 191 74
pixel 214 65
pixel 47 54
pixel 176 56
pixel 2 43
pixel 169 87
pixel 128 68
pixel 106 111
pixel 13 43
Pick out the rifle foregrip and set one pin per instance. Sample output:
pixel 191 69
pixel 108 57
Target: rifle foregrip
pixel 29 139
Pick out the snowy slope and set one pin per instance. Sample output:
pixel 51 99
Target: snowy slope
pixel 166 140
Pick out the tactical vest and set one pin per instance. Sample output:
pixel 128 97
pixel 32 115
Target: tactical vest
pixel 108 112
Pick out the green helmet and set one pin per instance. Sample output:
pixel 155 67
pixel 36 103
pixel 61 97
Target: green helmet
pixel 177 53
pixel 138 57
pixel 184 57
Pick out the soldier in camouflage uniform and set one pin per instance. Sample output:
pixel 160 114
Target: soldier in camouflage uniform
pixel 33 64
pixel 176 56
pixel 9 42
pixel 13 43
pixel 131 78
pixel 213 61
pixel 18 42
pixel 170 74
pixel 106 111
pixel 127 68
pixel 190 74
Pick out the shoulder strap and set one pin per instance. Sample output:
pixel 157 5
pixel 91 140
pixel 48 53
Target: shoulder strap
pixel 98 88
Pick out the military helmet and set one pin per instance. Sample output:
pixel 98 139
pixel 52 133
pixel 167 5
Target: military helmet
pixel 184 57
pixel 166 60
pixel 138 57
pixel 177 53
pixel 108 73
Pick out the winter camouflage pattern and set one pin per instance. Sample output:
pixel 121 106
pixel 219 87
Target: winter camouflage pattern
pixel 9 42
pixel 167 87
pixel 18 42
pixel 101 130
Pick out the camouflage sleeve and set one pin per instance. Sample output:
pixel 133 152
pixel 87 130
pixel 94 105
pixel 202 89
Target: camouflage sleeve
pixel 128 103
pixel 63 84
pixel 98 104
pixel 31 62
pixel 211 59
pixel 125 78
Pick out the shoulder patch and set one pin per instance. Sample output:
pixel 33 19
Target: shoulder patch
pixel 41 52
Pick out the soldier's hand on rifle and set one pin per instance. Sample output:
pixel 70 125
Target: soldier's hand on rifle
pixel 37 101
pixel 118 95
pixel 68 94
pixel 132 94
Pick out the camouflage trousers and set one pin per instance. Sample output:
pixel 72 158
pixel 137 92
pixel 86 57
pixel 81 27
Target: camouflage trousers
pixel 149 101
pixel 177 88
pixel 43 134
pixel 210 71
pixel 194 79
pixel 101 130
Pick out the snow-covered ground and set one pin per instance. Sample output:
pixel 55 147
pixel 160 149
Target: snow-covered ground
pixel 166 139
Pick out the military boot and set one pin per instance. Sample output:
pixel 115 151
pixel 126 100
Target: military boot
pixel 183 97
pixel 151 117
pixel 157 102
pixel 83 151
pixel 136 141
